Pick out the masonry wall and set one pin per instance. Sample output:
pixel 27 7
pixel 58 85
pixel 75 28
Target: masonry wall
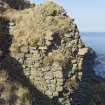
pixel 47 43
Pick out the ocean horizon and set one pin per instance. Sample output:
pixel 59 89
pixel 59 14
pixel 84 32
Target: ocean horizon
pixel 96 41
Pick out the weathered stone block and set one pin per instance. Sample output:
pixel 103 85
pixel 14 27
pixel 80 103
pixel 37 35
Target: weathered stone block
pixel 49 76
pixel 83 51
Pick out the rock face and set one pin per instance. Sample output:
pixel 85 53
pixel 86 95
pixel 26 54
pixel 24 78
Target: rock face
pixel 46 43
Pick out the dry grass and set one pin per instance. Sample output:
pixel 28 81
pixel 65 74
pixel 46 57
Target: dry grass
pixel 59 57
pixel 34 23
pixel 52 8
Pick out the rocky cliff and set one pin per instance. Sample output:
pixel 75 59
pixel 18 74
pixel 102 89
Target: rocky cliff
pixel 42 55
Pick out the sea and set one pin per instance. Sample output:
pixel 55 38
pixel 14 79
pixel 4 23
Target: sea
pixel 96 40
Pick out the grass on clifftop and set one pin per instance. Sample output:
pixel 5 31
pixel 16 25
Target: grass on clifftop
pixel 35 23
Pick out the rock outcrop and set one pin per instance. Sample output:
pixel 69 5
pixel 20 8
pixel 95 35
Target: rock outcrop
pixel 47 44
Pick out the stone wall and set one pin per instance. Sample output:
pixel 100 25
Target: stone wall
pixel 47 43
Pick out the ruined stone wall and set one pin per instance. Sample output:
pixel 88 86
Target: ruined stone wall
pixel 48 70
pixel 53 58
pixel 47 43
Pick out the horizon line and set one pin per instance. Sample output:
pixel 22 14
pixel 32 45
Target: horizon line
pixel 93 31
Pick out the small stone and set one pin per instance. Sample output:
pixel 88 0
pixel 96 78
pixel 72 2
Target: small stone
pixel 47 81
pixel 59 74
pixel 60 81
pixel 48 43
pixel 48 93
pixel 74 49
pixel 43 48
pixel 59 88
pixel 21 60
pixel 56 67
pixel 47 68
pixel 80 65
pixel 55 94
pixel 43 69
pixel 33 72
pixel 49 76
pixel 74 26
pixel 74 61
pixel 77 36
pixel 61 100
pixel 27 68
pixel 19 55
pixel 28 61
pixel 51 85
pixel 11 24
pixel 28 55
pixel 53 81
pixel 32 50
pixel 74 67
pixel 68 35
pixel 83 51
pixel 80 73
pixel 31 77
pixel 52 89
pixel 45 87
pixel 50 54
pixel 73 78
pixel 24 66
pixel 27 74
pixel 24 49
pixel 49 36
pixel 36 56
pixel 69 45
pixel 36 65
pixel 38 79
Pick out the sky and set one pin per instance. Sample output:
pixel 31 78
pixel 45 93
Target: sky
pixel 89 15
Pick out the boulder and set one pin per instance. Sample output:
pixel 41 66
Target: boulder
pixel 83 51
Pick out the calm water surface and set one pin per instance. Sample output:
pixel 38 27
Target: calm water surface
pixel 97 42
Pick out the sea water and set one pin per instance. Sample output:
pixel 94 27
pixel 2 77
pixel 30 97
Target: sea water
pixel 96 40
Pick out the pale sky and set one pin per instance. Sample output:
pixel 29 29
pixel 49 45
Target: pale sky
pixel 89 14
